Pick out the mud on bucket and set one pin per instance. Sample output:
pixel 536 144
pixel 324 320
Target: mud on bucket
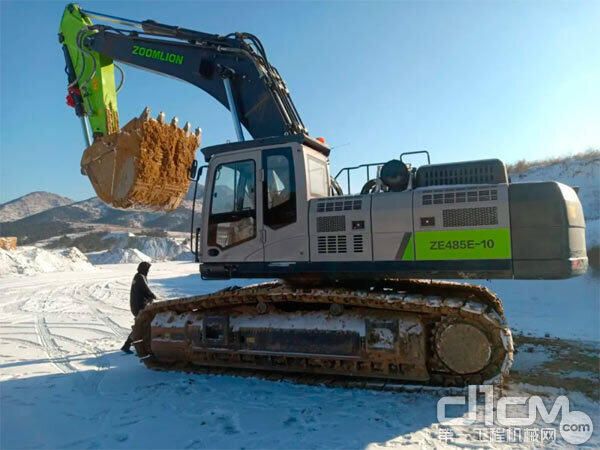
pixel 144 166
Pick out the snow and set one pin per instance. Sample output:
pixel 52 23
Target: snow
pixel 161 248
pixel 118 256
pixel 128 247
pixel 65 384
pixel 30 260
pixel 560 308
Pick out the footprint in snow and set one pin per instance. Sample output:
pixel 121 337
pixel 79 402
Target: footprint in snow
pixel 290 421
pixel 227 424
pixel 120 437
pixel 196 444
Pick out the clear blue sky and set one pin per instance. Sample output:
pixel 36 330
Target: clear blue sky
pixel 464 80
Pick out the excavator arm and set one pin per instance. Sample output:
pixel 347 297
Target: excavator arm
pixel 145 165
pixel 233 69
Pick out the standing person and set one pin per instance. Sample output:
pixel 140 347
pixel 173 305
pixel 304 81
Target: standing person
pixel 139 297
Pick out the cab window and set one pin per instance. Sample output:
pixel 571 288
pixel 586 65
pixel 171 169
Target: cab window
pixel 279 192
pixel 317 177
pixel 232 217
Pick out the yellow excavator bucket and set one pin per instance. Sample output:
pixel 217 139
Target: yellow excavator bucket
pixel 144 166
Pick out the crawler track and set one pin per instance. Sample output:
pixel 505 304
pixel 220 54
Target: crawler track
pixel 438 305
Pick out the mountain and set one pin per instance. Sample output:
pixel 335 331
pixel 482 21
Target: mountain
pixel 30 204
pixel 87 215
pixel 93 210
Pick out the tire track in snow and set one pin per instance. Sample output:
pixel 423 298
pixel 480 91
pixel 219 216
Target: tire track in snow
pixel 21 341
pixel 56 355
pixel 103 362
pixel 60 357
pixel 91 293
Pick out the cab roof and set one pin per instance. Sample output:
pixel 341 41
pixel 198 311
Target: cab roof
pixel 220 149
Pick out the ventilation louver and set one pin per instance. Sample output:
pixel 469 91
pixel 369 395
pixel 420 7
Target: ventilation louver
pixel 357 241
pixel 339 205
pixel 332 244
pixel 447 197
pixel 490 171
pixel 469 217
pixel 329 224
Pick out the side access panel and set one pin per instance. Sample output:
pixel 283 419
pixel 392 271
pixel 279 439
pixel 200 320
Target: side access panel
pixel 392 226
pixel 340 229
pixel 464 229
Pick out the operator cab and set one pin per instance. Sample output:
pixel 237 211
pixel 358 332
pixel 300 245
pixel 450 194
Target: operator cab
pixel 256 194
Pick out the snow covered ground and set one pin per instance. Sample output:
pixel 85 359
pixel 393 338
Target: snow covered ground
pixel 65 384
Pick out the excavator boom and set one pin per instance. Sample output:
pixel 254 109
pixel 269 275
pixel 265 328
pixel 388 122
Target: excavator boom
pixel 123 164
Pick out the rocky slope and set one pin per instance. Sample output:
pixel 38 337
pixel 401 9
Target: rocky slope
pixel 30 204
pixel 93 211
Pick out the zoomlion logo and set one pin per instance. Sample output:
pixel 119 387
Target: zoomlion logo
pixel 157 54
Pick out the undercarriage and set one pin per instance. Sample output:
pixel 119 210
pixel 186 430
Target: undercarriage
pixel 395 331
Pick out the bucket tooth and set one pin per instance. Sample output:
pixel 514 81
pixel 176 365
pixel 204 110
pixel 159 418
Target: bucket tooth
pixel 161 117
pixel 187 127
pixel 145 114
pixel 174 121
pixel 198 134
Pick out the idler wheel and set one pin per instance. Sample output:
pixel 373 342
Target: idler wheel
pixel 261 308
pixel 335 309
pixel 463 348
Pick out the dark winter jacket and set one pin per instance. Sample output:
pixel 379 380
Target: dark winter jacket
pixel 141 294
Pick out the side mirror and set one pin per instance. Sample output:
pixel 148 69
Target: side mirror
pixel 192 171
pixel 195 172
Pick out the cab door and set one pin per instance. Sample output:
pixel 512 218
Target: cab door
pixel 233 231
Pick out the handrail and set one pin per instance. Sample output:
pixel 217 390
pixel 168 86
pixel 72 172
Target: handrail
pixel 415 153
pixel 348 169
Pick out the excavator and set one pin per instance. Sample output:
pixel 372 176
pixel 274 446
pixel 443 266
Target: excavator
pixel 363 293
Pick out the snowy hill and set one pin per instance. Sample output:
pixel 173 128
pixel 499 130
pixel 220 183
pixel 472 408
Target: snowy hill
pixel 128 248
pixel 30 204
pixel 93 210
pixel 118 256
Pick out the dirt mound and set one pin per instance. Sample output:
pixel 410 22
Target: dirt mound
pixel 8 243
pixel 144 166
